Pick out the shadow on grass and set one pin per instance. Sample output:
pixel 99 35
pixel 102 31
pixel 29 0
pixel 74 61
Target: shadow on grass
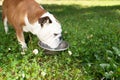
pixel 76 15
pixel 74 10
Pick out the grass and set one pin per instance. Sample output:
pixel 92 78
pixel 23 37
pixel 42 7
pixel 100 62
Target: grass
pixel 83 3
pixel 93 33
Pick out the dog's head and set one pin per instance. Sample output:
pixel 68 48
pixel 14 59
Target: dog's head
pixel 50 32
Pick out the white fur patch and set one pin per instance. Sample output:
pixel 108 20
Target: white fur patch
pixel 51 29
pixel 46 32
pixel 33 28
pixel 5 25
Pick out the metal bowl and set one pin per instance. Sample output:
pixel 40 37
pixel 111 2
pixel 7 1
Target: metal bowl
pixel 62 46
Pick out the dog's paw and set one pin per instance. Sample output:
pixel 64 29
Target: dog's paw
pixel 24 50
pixel 24 47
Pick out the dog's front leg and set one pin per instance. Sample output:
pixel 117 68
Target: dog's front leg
pixel 20 37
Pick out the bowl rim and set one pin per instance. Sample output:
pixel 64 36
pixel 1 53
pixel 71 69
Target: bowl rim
pixel 53 49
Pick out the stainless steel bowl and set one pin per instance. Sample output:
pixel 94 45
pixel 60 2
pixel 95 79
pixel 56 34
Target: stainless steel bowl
pixel 62 46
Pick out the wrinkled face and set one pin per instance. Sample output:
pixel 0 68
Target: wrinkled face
pixel 50 32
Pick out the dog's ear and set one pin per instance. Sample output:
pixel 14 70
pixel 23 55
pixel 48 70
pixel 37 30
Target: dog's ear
pixel 44 20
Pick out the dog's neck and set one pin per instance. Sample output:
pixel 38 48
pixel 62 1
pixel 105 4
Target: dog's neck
pixel 35 27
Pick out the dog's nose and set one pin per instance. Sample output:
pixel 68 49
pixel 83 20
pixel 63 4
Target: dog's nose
pixel 60 37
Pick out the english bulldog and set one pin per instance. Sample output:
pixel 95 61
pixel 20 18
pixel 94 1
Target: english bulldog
pixel 29 16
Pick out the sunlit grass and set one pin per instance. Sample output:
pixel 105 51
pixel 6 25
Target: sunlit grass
pixel 85 3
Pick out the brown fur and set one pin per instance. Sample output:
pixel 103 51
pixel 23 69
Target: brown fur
pixel 15 11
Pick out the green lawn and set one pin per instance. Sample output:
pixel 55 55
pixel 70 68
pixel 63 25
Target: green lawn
pixel 93 33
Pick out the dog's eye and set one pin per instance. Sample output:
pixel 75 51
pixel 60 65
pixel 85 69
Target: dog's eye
pixel 55 34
